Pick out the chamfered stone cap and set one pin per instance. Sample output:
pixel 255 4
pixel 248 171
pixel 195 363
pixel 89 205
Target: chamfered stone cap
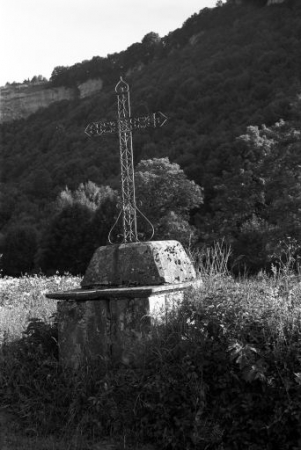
pixel 139 264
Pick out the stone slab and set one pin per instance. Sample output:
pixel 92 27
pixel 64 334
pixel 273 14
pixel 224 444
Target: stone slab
pixel 128 292
pixel 139 264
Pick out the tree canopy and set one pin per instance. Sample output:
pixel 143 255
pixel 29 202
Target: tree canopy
pixel 166 196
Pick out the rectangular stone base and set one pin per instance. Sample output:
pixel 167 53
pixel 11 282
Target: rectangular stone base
pixel 111 324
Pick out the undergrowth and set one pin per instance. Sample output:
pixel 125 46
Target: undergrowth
pixel 224 373
pixel 23 298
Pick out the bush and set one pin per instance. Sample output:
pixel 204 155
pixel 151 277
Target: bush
pixel 223 373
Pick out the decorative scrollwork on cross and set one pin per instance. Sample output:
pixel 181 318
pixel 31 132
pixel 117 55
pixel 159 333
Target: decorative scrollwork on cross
pixel 124 126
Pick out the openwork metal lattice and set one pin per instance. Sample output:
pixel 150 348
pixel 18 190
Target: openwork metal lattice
pixel 124 126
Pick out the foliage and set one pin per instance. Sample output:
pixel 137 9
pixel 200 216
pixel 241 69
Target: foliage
pixel 24 298
pixel 83 218
pixel 258 200
pixel 104 218
pixel 81 223
pixel 19 250
pixel 87 194
pixel 166 197
pixel 151 39
pixel 223 373
pixel 64 246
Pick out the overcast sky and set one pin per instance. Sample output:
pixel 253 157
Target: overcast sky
pixel 38 35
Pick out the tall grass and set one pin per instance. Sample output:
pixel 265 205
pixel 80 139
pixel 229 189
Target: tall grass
pixel 224 373
pixel 24 298
pixel 212 261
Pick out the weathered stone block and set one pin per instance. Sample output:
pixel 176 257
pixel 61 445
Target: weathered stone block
pixel 83 331
pixel 139 263
pixel 110 329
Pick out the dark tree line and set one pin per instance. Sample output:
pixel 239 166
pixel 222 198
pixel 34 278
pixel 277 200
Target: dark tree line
pixel 82 220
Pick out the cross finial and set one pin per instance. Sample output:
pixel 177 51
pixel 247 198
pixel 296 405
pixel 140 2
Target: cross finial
pixel 122 86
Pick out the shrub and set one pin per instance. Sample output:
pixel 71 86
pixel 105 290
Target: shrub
pixel 224 372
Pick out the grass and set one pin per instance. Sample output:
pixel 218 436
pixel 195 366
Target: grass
pixel 223 374
pixel 24 298
pixel 21 300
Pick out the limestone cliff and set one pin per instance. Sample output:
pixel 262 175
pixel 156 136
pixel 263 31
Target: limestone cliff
pixel 89 87
pixel 21 100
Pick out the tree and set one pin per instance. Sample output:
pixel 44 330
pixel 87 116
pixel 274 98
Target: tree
pixel 66 245
pixel 8 200
pixel 240 193
pixel 87 194
pixel 103 221
pixel 150 45
pixel 38 79
pixel 82 223
pixel 20 246
pixel 60 76
pixel 42 183
pixel 166 197
pixel 151 39
pixel 259 199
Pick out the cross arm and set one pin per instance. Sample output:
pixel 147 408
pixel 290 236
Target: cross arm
pixel 153 120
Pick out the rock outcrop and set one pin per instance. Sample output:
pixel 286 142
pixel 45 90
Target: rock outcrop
pixel 90 87
pixel 20 100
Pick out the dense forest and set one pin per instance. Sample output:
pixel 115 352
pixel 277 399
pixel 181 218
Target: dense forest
pixel 229 82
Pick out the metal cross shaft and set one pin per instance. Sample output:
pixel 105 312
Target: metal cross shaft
pixel 124 126
pixel 126 163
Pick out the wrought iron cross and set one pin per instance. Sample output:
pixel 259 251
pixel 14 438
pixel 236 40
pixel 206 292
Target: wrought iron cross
pixel 124 125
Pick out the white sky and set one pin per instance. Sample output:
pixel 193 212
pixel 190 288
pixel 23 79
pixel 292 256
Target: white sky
pixel 38 35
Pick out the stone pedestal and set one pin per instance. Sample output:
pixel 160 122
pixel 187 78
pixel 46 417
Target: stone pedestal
pixel 127 289
pixel 139 264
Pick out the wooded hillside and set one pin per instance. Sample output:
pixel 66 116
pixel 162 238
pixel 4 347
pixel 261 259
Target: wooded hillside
pixel 227 69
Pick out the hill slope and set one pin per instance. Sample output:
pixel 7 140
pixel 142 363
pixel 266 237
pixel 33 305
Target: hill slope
pixel 225 69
